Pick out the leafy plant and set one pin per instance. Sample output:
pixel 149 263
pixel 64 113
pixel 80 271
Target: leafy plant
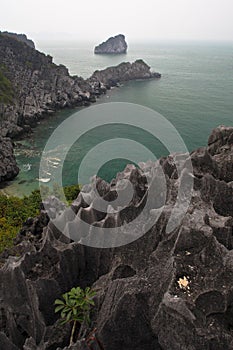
pixel 75 308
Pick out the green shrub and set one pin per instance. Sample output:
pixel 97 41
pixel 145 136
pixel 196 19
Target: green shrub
pixel 14 211
pixel 71 192
pixel 6 89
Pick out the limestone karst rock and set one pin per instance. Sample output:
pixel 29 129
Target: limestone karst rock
pixel 8 166
pixel 114 45
pixel 163 291
pixel 21 37
pixel 124 72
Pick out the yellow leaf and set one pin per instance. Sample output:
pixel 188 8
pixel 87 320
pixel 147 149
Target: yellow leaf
pixel 183 283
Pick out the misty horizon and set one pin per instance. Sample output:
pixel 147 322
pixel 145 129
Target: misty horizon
pixel 139 21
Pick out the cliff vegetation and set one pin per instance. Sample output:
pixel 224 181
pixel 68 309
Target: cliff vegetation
pixel 6 88
pixel 15 211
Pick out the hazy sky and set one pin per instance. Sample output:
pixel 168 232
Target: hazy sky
pixel 137 19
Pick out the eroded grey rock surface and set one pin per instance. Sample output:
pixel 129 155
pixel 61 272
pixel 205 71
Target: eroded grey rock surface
pixel 163 291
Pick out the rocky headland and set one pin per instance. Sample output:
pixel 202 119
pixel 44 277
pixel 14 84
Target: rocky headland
pixel 20 37
pixel 113 46
pixel 33 87
pixel 165 291
pixel 125 72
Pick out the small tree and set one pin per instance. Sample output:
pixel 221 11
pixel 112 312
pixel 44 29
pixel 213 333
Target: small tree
pixel 75 308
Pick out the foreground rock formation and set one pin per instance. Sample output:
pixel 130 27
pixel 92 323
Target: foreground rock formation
pixel 33 87
pixel 114 45
pixel 164 291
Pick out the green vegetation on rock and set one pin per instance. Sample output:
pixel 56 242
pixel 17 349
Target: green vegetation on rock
pixel 14 211
pixel 6 89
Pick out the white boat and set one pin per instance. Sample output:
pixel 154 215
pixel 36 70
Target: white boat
pixel 54 158
pixel 52 162
pixel 44 180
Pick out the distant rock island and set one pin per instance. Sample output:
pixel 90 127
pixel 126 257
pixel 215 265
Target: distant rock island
pixel 114 45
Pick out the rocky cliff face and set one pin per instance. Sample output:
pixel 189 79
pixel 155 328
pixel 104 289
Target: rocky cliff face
pixel 39 87
pixel 114 45
pixel 32 86
pixel 164 291
pixel 8 166
pixel 21 37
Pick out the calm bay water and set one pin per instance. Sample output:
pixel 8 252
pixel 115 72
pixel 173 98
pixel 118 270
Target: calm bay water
pixel 195 94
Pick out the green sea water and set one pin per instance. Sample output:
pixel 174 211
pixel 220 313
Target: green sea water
pixel 195 94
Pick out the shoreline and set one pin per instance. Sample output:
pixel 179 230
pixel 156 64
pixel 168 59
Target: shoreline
pixel 27 136
pixel 39 88
pixel 48 119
